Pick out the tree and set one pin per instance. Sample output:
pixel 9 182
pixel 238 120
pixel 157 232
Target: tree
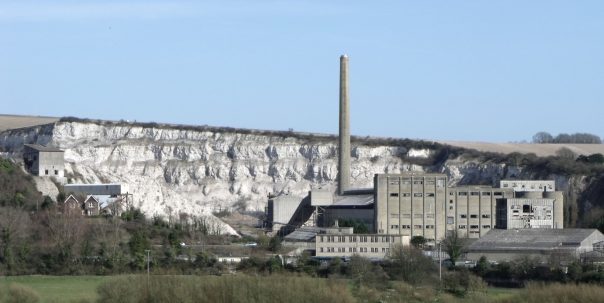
pixel 453 245
pixel 409 264
pixel 275 244
pixel 543 137
pixel 565 153
pixel 418 241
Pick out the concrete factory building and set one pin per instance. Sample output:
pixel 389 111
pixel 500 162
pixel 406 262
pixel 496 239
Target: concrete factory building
pixel 44 161
pixel 401 206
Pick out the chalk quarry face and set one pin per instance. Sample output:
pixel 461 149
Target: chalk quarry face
pixel 171 171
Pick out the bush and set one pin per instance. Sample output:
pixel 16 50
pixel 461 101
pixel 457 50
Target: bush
pixel 21 294
pixel 223 289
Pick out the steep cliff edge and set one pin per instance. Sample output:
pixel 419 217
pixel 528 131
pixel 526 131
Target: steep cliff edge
pixel 198 170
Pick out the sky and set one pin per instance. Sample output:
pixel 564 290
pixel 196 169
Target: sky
pixel 496 71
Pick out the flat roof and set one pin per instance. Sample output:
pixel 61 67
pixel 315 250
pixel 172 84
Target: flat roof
pixel 43 148
pixel 531 239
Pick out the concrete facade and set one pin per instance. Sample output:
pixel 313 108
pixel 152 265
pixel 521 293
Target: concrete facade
pixel 372 246
pixel 44 161
pixel 525 213
pixel 411 204
pixel 281 209
pixel 472 210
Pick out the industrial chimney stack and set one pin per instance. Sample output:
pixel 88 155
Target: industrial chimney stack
pixel 344 146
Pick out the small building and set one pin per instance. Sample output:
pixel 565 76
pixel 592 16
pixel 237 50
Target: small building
pixel 44 161
pixel 91 206
pixel 72 205
pixel 371 246
pixel 111 198
pixel 510 244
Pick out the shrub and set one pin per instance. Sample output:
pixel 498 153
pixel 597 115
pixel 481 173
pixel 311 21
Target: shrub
pixel 21 294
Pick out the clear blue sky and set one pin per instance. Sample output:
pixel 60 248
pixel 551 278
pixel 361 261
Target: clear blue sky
pixel 455 70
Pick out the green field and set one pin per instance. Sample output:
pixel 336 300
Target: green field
pixel 59 288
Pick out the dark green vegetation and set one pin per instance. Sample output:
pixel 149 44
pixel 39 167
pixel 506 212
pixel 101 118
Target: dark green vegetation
pixel 577 138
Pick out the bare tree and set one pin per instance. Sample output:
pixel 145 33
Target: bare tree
pixel 543 137
pixel 453 245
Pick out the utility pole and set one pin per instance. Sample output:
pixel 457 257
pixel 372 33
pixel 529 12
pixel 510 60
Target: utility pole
pixel 440 264
pixel 148 272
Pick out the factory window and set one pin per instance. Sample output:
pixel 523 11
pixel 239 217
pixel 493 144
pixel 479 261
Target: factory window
pixel 56 172
pixel 526 208
pixel 417 194
pixel 406 194
pixel 418 216
pixel 452 193
pixel 406 216
pixel 450 201
pixel 429 194
pixel 474 226
pixel 394 216
pixel 430 216
pixel 46 171
pixel 462 193
pixel 474 193
pixel 385 239
pixel 406 182
pixel 363 239
pixel 461 227
pixel 352 239
pixel 486 226
pixel 394 182
pixel 486 216
pixel 486 193
pixel 450 220
pixel 450 207
pixel 430 182
pixel 473 216
pixel 321 249
pixel 405 226
pixel 497 193
pixel 505 185
pixel 463 216
pixel 417 226
pixel 393 194
pixel 429 226
pixel 383 249
pixel 418 182
pixel 393 226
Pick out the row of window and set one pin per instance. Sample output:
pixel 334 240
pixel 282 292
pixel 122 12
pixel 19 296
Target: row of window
pixel 473 226
pixel 474 216
pixel 408 216
pixel 46 172
pixel 476 193
pixel 395 226
pixel 342 239
pixel 417 195
pixel 354 249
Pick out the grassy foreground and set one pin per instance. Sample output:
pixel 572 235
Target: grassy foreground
pixel 57 288
pixel 274 288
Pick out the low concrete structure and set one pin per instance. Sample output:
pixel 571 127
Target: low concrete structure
pixel 371 246
pixel 44 161
pixel 507 245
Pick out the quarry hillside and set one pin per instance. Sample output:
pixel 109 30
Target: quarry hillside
pixel 173 169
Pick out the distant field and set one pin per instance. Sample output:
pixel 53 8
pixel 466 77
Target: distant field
pixel 538 149
pixel 13 121
pixel 59 288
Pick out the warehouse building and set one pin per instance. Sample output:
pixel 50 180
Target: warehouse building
pixel 509 244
